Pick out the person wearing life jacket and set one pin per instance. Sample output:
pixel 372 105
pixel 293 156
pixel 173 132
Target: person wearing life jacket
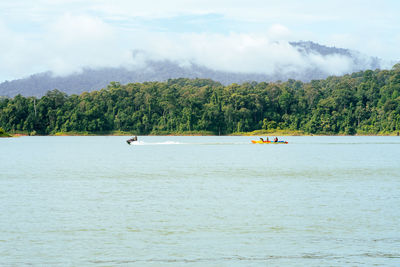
pixel 276 139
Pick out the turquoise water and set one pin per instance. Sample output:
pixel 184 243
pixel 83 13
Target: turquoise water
pixel 199 201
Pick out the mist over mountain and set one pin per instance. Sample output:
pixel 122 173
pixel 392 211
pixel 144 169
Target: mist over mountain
pixel 316 62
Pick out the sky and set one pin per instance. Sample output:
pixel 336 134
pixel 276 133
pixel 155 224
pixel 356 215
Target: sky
pixel 65 36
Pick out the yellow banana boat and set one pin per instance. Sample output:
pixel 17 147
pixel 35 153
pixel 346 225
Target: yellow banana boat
pixel 268 142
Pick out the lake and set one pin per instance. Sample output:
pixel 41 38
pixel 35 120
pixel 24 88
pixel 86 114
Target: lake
pixel 199 201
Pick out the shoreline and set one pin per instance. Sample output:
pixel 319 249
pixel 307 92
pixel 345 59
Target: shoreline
pixel 254 133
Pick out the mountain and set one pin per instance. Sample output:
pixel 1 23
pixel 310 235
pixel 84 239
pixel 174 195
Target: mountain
pixel 359 61
pixel 94 79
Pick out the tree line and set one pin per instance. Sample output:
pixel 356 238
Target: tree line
pixel 366 102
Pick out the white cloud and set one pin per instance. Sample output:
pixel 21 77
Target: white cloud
pixel 279 32
pixel 256 53
pixel 15 49
pixel 71 29
pixel 78 41
pixel 68 45
pixel 74 42
pixel 67 35
pixel 332 64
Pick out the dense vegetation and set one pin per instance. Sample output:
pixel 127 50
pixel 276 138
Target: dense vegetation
pixel 3 133
pixel 366 102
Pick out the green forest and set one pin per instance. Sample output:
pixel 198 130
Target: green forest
pixel 366 102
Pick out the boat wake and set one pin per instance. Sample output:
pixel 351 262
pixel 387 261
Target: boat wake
pixel 141 143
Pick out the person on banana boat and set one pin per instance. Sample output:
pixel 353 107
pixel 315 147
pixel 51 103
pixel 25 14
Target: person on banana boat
pixel 262 139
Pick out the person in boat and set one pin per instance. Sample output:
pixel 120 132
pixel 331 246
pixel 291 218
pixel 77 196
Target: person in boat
pixel 276 139
pixel 267 139
pixel 262 140
pixel 133 139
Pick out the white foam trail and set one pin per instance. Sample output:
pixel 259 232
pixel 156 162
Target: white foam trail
pixel 141 143
pixel 138 143
pixel 169 143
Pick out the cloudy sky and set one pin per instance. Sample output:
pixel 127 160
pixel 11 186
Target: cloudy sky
pixel 248 36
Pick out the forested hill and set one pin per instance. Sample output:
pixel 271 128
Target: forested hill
pixel 161 70
pixel 366 102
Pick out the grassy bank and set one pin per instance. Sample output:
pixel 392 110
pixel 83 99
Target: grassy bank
pixel 182 133
pixel 122 133
pixel 3 133
pixel 270 132
pixel 85 133
pixel 287 132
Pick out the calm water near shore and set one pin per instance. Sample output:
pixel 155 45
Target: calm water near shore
pixel 199 201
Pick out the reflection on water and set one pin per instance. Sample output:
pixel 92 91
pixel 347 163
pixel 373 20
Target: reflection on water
pixel 199 201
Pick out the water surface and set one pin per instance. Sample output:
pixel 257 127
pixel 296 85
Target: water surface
pixel 199 201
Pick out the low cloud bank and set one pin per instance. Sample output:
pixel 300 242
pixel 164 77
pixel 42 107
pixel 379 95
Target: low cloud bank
pixel 245 53
pixel 75 42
